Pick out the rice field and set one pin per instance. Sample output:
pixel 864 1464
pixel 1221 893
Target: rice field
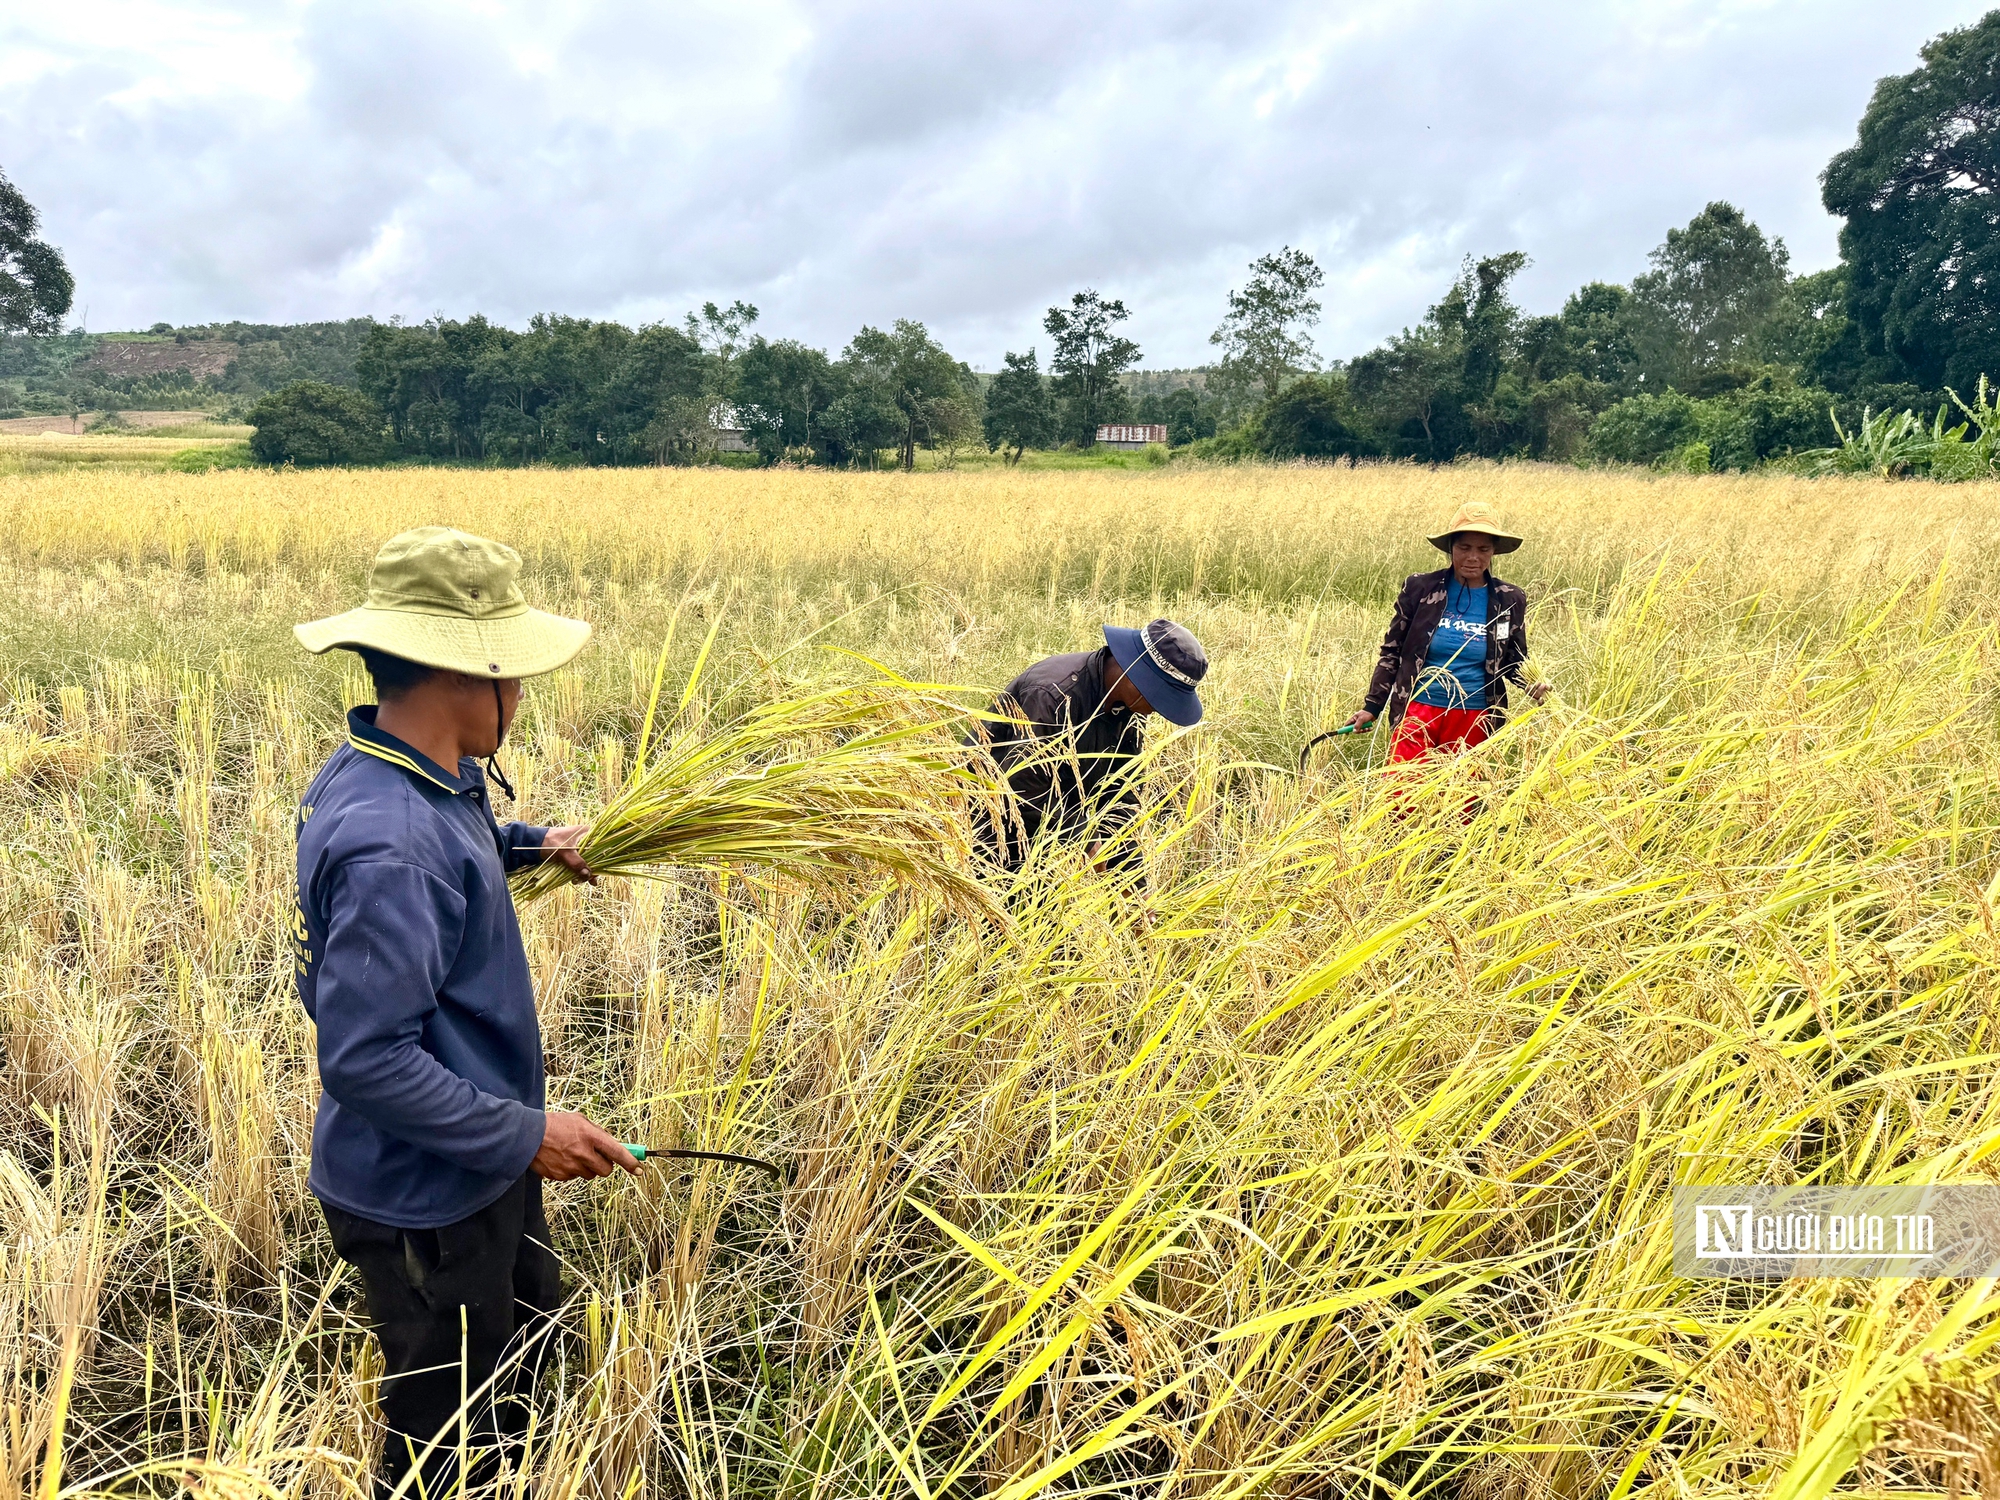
pixel 1335 1162
pixel 52 445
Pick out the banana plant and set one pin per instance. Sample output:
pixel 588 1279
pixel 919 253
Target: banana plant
pixel 1899 444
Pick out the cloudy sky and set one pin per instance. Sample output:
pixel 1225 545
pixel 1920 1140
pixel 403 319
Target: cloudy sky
pixel 856 161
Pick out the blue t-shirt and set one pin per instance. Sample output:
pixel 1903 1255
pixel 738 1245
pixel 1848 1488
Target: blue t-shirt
pixel 1454 671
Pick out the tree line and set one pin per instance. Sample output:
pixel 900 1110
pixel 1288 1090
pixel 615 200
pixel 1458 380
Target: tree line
pixel 51 373
pixel 574 389
pixel 1716 355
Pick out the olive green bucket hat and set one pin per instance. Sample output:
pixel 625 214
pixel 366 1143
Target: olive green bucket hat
pixel 1476 515
pixel 445 599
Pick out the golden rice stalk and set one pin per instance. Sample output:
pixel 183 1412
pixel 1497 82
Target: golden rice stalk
pixel 847 784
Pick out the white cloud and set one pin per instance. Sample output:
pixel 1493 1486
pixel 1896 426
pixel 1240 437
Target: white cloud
pixel 857 162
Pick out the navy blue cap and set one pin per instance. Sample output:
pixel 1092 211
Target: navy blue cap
pixel 1164 661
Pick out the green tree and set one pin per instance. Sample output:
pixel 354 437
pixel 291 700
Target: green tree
pixel 1264 336
pixel 719 330
pixel 1407 389
pixel 1708 300
pixel 956 426
pixel 913 373
pixel 1088 358
pixel 1184 412
pixel 508 395
pixel 1592 337
pixel 1568 369
pixel 1921 240
pixel 1769 416
pixel 572 363
pixel 1809 327
pixel 1486 320
pixel 679 430
pixel 782 391
pixel 568 389
pixel 1019 414
pixel 1644 429
pixel 859 422
pixel 421 376
pixel 1308 419
pixel 35 285
pixel 719 333
pixel 1560 412
pixel 309 423
pixel 1429 391
pixel 659 403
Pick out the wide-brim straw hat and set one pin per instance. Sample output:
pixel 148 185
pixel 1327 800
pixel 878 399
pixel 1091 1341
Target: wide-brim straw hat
pixel 443 598
pixel 1476 515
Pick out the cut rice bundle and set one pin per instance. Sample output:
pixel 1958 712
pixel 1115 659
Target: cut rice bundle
pixel 845 785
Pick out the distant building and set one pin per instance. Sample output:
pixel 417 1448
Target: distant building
pixel 731 436
pixel 1126 435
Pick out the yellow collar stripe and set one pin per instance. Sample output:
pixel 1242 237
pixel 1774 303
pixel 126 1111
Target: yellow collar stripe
pixel 394 759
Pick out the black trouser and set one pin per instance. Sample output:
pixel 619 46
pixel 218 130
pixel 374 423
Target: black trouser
pixel 442 1298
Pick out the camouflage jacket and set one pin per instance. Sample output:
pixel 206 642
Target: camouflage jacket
pixel 1418 609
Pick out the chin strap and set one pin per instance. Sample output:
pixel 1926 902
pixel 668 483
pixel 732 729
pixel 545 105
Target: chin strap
pixel 500 733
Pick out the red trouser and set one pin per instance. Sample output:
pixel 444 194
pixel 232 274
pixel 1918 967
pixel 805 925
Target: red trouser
pixel 1426 731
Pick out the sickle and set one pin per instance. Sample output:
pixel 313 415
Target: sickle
pixel 1327 735
pixel 642 1152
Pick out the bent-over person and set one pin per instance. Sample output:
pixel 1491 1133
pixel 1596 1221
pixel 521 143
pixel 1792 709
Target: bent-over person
pixel 1066 733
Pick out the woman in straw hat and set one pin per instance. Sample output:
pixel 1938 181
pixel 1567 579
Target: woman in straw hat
pixel 432 1135
pixel 1459 635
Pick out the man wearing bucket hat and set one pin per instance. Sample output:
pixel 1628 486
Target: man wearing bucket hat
pixel 1458 637
pixel 431 1138
pixel 1066 734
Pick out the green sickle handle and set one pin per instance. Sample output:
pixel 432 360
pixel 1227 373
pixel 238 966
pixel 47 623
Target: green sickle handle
pixel 1327 734
pixel 640 1153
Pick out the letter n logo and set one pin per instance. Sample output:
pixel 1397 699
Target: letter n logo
pixel 1721 1229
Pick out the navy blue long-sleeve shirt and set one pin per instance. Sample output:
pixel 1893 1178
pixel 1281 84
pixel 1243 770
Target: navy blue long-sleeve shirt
pixel 408 958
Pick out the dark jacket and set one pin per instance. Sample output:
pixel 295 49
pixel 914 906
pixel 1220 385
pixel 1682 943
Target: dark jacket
pixel 409 960
pixel 1067 752
pixel 1418 609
